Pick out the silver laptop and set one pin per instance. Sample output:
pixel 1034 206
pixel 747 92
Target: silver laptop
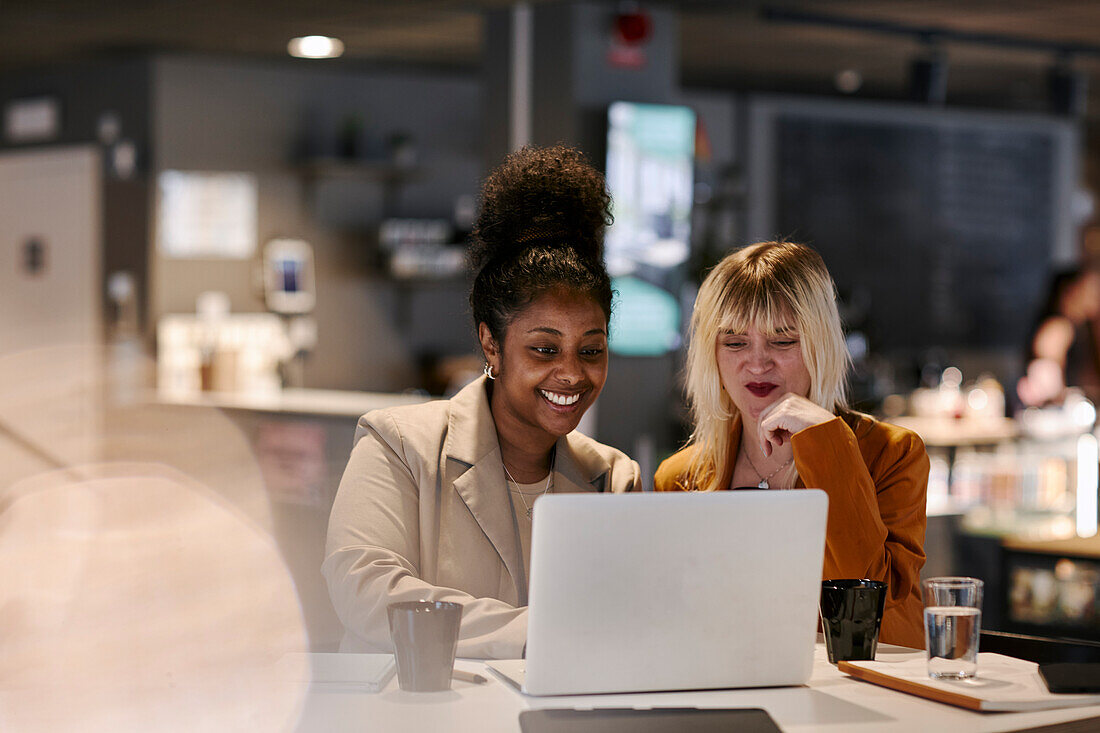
pixel 677 591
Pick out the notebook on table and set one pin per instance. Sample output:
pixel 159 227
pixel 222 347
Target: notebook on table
pixel 678 591
pixel 1003 684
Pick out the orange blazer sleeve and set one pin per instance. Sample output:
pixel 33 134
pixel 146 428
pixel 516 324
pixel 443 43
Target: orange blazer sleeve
pixel 672 473
pixel 877 485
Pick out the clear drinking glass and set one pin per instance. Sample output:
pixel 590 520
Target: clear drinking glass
pixel 952 624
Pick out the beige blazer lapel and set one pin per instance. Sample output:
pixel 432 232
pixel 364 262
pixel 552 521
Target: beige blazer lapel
pixel 472 453
pixel 474 468
pixel 578 468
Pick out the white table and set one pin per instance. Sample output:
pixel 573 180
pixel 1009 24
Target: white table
pixel 831 702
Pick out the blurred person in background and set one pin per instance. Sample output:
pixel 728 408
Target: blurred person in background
pixel 437 498
pixel 766 378
pixel 1064 350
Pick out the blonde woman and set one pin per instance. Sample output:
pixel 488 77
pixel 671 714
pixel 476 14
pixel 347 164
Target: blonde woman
pixel 766 372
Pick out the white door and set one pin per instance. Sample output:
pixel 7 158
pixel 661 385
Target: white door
pixel 50 231
pixel 50 315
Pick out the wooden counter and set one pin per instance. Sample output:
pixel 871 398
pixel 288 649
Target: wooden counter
pixel 322 402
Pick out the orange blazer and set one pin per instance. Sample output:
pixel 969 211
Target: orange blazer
pixel 876 476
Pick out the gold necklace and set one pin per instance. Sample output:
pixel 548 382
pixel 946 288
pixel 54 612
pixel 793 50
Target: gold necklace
pixel 522 497
pixel 764 479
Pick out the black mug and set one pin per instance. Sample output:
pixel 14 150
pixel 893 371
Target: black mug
pixel 425 637
pixel 851 615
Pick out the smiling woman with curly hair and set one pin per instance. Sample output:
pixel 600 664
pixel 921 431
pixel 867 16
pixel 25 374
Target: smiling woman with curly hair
pixel 436 501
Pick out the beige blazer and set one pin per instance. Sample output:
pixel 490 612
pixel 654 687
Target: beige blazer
pixel 423 513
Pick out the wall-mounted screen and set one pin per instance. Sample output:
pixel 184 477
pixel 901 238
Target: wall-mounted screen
pixel 650 154
pixel 650 160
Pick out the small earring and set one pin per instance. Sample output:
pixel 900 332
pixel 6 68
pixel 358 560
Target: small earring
pixel 489 371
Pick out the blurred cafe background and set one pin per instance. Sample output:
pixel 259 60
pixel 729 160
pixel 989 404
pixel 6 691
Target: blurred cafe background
pixel 227 229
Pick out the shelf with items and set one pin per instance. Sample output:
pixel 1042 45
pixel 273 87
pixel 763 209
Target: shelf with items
pixel 421 249
pixel 388 175
pixel 1039 488
pixel 950 432
pixel 1032 476
pixel 1051 588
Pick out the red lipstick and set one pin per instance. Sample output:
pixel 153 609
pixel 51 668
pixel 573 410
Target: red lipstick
pixel 761 389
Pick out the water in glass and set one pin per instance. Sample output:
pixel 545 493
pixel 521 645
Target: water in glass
pixel 952 633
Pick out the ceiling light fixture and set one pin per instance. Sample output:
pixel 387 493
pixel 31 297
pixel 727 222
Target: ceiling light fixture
pixel 315 47
pixel 848 81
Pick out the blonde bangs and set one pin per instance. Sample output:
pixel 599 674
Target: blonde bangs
pixel 767 310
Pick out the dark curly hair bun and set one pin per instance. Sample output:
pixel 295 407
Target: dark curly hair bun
pixel 541 224
pixel 548 195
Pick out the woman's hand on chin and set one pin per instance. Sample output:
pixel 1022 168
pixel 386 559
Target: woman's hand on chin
pixel 785 417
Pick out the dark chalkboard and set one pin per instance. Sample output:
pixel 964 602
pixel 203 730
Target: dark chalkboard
pixel 947 228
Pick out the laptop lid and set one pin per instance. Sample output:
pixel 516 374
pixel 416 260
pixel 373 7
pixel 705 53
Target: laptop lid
pixel 673 591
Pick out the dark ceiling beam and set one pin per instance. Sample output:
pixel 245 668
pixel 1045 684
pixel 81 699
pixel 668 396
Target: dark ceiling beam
pixel 930 33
